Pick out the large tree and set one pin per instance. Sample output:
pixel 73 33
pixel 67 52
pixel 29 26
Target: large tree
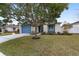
pixel 38 13
pixel 34 13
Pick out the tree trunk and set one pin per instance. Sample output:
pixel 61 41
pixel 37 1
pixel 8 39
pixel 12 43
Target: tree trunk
pixel 36 36
pixel 35 30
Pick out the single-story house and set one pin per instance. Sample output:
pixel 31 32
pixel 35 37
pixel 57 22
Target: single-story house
pixel 11 27
pixel 75 28
pixel 52 28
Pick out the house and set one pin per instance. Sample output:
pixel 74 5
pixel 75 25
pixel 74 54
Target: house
pixel 75 28
pixel 47 28
pixel 11 27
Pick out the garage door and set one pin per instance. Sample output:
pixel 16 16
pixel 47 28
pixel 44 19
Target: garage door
pixel 26 29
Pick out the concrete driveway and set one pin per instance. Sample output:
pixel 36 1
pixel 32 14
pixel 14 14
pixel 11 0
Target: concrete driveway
pixel 10 37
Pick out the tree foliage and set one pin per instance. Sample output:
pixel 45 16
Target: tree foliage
pixel 38 12
pixel 5 12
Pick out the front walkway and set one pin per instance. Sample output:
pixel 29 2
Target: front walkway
pixel 10 37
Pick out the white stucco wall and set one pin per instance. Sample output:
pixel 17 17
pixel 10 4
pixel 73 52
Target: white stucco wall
pixel 58 28
pixel 74 29
pixel 20 31
pixel 45 28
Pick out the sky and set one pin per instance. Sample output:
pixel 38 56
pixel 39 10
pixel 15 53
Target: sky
pixel 71 14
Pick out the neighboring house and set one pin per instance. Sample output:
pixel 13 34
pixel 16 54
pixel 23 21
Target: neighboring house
pixel 11 28
pixel 47 28
pixel 75 28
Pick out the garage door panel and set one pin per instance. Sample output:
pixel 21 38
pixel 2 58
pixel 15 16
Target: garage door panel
pixel 26 29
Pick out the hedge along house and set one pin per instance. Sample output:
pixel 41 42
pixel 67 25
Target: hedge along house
pixel 46 28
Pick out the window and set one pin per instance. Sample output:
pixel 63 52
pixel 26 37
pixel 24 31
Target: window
pixel 51 28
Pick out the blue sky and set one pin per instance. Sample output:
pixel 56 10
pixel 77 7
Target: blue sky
pixel 71 15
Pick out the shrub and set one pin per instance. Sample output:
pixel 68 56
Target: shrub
pixel 50 33
pixel 59 33
pixel 44 33
pixel 36 37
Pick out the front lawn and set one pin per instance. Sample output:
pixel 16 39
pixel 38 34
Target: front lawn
pixel 52 45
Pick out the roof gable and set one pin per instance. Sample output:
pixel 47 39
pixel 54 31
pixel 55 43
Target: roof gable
pixel 75 23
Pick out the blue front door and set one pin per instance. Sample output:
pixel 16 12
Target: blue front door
pixel 26 28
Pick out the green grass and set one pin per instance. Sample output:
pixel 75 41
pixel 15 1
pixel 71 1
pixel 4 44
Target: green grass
pixel 48 45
